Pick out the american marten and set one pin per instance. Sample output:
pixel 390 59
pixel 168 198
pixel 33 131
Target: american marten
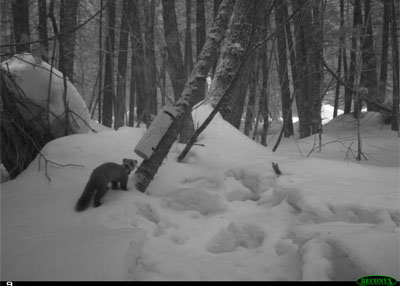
pixel 99 179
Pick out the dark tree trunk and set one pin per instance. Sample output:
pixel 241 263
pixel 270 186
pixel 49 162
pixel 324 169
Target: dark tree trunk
pixel 42 28
pixel 309 66
pixel 175 67
pixel 138 91
pixel 340 56
pixel 250 112
pixel 385 48
pixel 215 60
pixel 289 38
pixel 200 38
pixel 264 94
pixel 151 69
pixel 20 10
pixel 68 18
pixel 100 98
pixel 369 73
pixel 357 22
pixel 283 70
pixel 119 111
pixel 188 40
pixel 109 66
pixel 396 59
pixel 145 173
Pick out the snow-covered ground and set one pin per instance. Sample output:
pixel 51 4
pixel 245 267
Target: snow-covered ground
pixel 222 214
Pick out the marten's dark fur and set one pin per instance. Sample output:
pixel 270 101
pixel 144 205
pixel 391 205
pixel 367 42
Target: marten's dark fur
pixel 99 179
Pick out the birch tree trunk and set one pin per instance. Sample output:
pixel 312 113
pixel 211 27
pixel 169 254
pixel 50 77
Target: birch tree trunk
pixel 234 48
pixel 147 170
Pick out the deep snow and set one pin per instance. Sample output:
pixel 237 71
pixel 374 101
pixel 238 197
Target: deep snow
pixel 222 214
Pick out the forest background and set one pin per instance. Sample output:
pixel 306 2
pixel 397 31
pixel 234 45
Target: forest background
pixel 128 58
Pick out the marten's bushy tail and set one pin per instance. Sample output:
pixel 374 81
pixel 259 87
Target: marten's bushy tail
pixel 84 200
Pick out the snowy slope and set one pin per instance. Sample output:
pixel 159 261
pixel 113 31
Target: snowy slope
pixel 221 215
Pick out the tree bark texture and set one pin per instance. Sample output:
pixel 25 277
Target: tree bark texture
pixel 309 66
pixel 340 56
pixel 119 111
pixel 283 70
pixel 145 173
pixel 215 60
pixel 396 63
pixel 20 10
pixel 188 61
pixel 138 71
pixel 42 28
pixel 250 111
pixel 385 49
pixel 200 39
pixel 108 99
pixel 369 74
pixel 357 22
pixel 175 67
pixel 151 69
pixel 238 38
pixel 68 20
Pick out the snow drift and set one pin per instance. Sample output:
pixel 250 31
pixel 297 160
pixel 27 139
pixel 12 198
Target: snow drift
pixel 221 215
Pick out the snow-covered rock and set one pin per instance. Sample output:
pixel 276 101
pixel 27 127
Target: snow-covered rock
pixel 44 90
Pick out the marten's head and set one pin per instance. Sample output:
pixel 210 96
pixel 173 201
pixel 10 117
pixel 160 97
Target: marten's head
pixel 129 164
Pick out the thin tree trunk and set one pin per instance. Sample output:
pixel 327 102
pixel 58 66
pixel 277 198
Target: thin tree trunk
pixel 200 39
pixel 20 10
pixel 250 112
pixel 145 173
pixel 340 56
pixel 100 89
pixel 264 94
pixel 42 28
pixel 188 40
pixel 216 5
pixel 396 68
pixel 68 18
pixel 385 48
pixel 119 111
pixel 109 66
